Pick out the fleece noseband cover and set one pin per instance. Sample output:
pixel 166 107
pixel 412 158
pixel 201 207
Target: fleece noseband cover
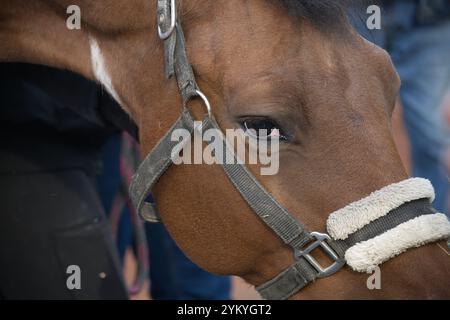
pixel 428 226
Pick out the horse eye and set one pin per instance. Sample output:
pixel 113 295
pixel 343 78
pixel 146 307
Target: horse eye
pixel 263 128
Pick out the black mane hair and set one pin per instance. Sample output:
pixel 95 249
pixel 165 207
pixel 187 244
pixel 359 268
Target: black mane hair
pixel 327 15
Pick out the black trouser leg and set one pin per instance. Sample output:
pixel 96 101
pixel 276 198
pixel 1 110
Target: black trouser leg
pixel 48 222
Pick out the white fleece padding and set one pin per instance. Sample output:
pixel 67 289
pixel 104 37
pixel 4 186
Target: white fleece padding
pixel 413 233
pixel 345 221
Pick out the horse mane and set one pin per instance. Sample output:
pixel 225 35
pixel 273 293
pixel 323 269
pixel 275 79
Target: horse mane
pixel 327 15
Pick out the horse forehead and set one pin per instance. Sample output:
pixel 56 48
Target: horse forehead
pixel 283 67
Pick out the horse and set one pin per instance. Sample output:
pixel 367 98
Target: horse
pixel 295 65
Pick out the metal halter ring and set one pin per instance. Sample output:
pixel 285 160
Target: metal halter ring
pixel 173 21
pixel 205 102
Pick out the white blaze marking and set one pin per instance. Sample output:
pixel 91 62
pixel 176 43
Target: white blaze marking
pixel 100 71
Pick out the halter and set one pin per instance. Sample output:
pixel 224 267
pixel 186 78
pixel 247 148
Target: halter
pixel 291 231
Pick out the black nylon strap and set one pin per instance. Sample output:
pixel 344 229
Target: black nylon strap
pixel 301 273
pixel 275 216
pixel 263 204
pixel 177 63
pixel 183 69
pixel 154 166
pixel 169 55
pixel 288 282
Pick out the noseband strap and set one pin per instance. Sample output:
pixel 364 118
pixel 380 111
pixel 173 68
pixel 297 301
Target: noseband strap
pixel 294 234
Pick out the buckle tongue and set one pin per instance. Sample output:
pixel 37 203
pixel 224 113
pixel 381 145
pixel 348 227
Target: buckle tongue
pixel 321 242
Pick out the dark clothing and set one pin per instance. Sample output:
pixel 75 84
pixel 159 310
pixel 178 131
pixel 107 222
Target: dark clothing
pixel 63 117
pixel 52 126
pixel 48 222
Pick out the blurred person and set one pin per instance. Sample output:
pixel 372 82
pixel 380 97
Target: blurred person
pixel 52 125
pixel 417 36
pixel 446 115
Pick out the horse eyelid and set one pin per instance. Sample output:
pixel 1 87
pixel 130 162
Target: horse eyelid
pixel 285 137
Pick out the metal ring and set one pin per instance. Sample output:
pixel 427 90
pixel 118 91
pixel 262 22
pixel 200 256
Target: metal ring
pixel 173 22
pixel 205 101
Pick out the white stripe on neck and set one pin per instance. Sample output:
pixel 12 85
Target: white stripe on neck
pixel 100 71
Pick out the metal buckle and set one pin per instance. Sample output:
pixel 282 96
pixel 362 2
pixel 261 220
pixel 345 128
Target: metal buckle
pixel 173 20
pixel 321 241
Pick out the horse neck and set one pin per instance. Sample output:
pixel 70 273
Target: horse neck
pixel 29 36
pixel 35 32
